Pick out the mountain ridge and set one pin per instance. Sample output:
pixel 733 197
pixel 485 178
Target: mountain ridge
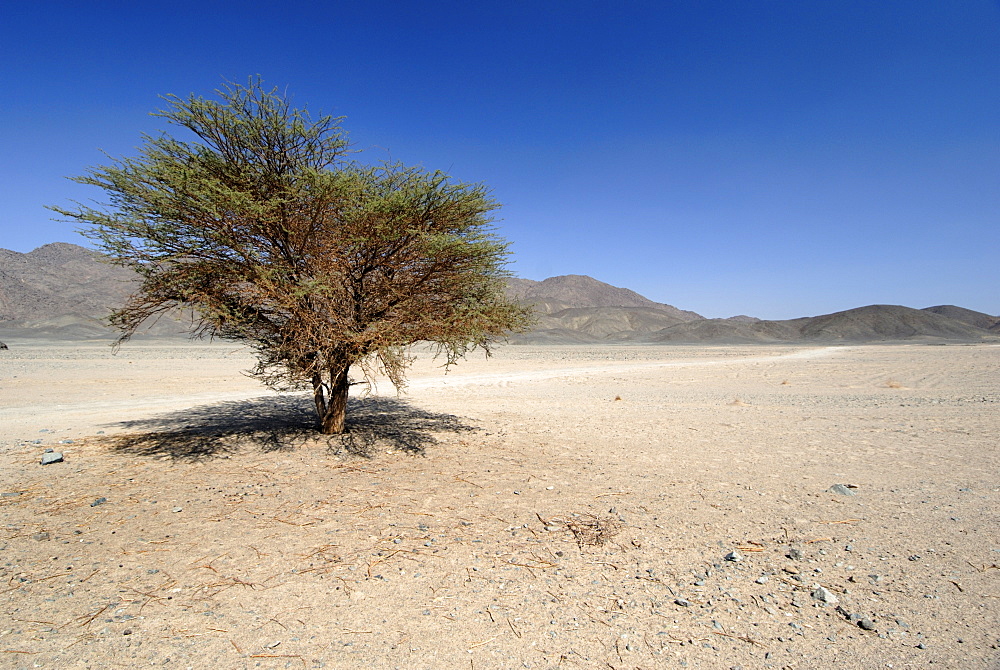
pixel 65 291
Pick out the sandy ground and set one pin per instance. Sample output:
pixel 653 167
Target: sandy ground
pixel 553 507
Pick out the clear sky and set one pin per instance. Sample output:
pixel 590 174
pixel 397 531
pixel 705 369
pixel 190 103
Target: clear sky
pixel 766 157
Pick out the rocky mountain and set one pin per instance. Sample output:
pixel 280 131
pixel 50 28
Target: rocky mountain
pixel 874 323
pixel 63 291
pixel 558 293
pixel 977 319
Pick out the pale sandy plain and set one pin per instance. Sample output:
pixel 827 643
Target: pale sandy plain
pixel 552 507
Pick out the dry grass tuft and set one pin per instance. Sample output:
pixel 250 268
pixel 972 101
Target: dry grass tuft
pixel 591 530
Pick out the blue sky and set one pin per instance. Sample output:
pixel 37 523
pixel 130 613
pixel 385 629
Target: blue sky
pixel 765 157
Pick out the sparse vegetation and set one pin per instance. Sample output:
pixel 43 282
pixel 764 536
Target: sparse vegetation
pixel 275 238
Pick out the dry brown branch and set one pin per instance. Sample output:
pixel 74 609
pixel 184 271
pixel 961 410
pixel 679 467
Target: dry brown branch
pixel 479 644
pixel 93 616
pixel 984 567
pixel 742 638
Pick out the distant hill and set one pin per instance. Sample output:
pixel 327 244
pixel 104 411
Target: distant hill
pixel 874 323
pixel 977 319
pixel 558 293
pixel 63 291
pixel 885 322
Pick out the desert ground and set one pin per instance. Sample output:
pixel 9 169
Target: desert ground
pixel 551 507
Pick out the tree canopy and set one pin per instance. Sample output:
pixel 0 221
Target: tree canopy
pixel 264 224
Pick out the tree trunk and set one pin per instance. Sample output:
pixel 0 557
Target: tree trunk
pixel 332 409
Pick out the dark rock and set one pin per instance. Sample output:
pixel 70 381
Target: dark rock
pixel 682 602
pixel 795 554
pixel 99 501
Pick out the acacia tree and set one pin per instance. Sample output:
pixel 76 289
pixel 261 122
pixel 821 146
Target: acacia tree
pixel 274 237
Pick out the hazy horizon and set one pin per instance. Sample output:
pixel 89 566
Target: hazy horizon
pixel 778 160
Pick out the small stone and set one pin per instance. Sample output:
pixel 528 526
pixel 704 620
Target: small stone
pixel 842 489
pixel 915 557
pixel 99 501
pixel 10 494
pixel 762 579
pixel 42 536
pixel 682 602
pixel 921 646
pixel 273 644
pixel 734 556
pixel 51 457
pixel 824 595
pixel 795 554
pixel 127 631
pixel 177 509
pixel 866 624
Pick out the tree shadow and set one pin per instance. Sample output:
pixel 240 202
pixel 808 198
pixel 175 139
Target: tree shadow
pixel 283 423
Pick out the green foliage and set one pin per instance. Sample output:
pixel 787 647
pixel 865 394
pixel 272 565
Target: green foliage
pixel 265 227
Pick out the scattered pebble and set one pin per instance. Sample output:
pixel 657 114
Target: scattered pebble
pixel 824 595
pixel 50 457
